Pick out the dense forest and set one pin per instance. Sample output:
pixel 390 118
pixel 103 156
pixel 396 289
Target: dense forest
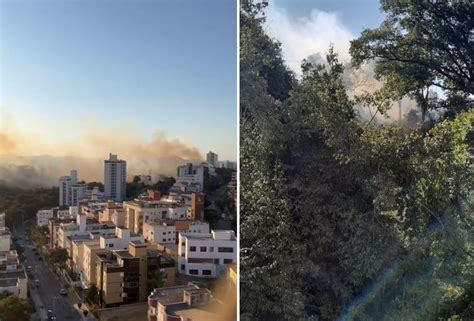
pixel 20 205
pixel 345 218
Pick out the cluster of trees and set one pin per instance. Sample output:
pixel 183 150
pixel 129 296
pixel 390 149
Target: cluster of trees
pixel 345 218
pixel 216 190
pixel 12 308
pixel 136 187
pixel 40 235
pixel 57 257
pixel 21 205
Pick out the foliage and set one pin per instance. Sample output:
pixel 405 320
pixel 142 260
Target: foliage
pixel 213 183
pixel 164 184
pixel 40 235
pixel 92 294
pixel 419 46
pixel 57 257
pixel 342 218
pixel 155 280
pixel 13 308
pixel 223 200
pixel 136 187
pixel 100 185
pixel 94 309
pixel 21 205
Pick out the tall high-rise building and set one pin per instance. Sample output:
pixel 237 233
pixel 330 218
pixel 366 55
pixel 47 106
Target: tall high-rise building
pixel 212 158
pixel 115 173
pixel 65 188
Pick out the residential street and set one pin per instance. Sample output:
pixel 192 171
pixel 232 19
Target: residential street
pixel 49 287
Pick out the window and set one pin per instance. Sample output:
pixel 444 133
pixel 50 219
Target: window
pixel 193 272
pixel 182 266
pixel 227 261
pixel 192 248
pixel 206 272
pixel 225 249
pixel 211 249
pixel 203 249
pixel 164 240
pixel 111 245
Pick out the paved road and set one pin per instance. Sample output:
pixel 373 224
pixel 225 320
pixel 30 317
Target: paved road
pixel 48 291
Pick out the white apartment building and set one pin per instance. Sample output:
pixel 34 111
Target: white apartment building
pixel 162 232
pixel 227 164
pixel 206 255
pixel 70 191
pixel 212 158
pixel 120 240
pixel 139 212
pixel 43 217
pixel 78 192
pixel 12 275
pixel 88 275
pixel 191 176
pixel 115 174
pixel 5 239
pixel 82 227
pixel 197 227
pixel 84 250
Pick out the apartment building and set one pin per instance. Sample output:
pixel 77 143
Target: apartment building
pixel 70 191
pixel 12 275
pixel 5 239
pixel 115 174
pixel 83 250
pixel 114 213
pixel 183 303
pixel 138 212
pixel 43 217
pixel 125 276
pixel 206 255
pixel 160 232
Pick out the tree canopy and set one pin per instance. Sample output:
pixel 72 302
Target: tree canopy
pixel 13 308
pixel 343 218
pixel 422 45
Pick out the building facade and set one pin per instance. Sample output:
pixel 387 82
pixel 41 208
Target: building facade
pixel 206 255
pixel 212 158
pixel 115 174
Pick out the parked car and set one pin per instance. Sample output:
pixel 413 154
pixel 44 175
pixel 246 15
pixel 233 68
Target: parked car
pixel 51 315
pixel 63 292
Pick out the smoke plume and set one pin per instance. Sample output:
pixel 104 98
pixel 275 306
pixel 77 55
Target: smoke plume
pixel 24 163
pixel 311 37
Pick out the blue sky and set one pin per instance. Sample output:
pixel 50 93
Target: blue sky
pixel 138 65
pixel 355 14
pixel 307 27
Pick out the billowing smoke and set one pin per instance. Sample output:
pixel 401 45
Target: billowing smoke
pixel 23 164
pixel 311 37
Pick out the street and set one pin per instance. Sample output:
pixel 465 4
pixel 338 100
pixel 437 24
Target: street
pixel 49 287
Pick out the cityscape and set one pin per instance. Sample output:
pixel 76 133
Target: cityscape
pixel 155 254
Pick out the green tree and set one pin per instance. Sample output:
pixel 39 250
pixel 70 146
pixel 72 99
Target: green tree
pixel 13 308
pixel 21 205
pixel 40 235
pixel 340 217
pixel 421 45
pixel 57 257
pixel 92 294
pixel 155 280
